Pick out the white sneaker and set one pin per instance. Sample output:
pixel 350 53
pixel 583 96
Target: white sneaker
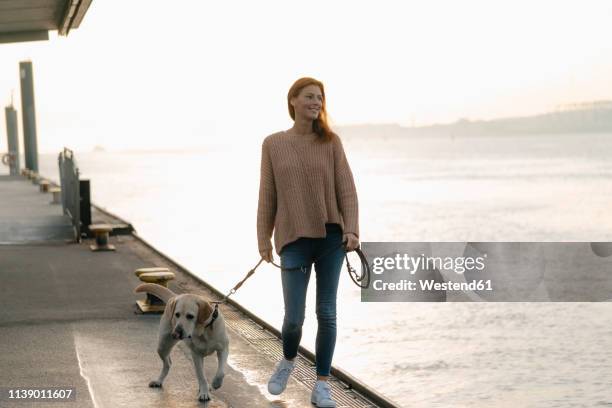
pixel 278 381
pixel 321 395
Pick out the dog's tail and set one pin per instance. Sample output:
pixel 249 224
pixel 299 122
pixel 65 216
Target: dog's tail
pixel 160 291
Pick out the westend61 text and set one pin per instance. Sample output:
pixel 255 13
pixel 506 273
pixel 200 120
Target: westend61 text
pixel 432 285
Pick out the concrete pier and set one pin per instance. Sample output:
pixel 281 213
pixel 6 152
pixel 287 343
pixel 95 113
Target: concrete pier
pixel 68 319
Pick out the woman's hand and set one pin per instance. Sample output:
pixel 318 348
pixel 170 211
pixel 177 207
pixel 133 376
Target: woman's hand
pixel 351 241
pixel 266 254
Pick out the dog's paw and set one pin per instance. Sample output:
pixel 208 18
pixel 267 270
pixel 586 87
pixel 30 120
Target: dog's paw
pixel 155 384
pixel 217 381
pixel 203 397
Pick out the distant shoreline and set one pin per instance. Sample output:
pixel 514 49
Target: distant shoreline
pixel 592 117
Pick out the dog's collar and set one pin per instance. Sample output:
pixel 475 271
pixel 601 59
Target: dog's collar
pixel 215 314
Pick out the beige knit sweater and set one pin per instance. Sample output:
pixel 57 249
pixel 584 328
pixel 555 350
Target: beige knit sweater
pixel 294 206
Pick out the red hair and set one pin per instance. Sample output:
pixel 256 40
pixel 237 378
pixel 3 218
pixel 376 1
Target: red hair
pixel 319 125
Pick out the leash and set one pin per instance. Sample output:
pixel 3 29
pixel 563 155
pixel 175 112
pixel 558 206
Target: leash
pixel 352 272
pixel 357 279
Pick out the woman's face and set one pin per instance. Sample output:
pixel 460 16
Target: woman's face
pixel 308 103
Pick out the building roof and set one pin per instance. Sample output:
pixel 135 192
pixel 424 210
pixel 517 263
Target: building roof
pixel 31 20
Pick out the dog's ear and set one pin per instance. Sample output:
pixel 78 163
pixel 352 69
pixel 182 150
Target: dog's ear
pixel 170 306
pixel 204 311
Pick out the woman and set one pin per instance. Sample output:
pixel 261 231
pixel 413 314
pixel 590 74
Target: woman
pixel 307 196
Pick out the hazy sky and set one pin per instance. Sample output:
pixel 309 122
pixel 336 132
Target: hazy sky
pixel 150 74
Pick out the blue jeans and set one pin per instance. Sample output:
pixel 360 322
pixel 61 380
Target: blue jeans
pixel 302 252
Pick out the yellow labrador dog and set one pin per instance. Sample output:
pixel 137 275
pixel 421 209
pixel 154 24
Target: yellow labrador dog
pixel 190 318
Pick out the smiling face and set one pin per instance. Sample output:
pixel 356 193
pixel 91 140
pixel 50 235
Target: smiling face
pixel 308 103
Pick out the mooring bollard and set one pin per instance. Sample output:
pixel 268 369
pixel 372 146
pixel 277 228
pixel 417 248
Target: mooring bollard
pixel 35 178
pixel 44 186
pixel 57 195
pixel 102 234
pixel 140 271
pixel 159 275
